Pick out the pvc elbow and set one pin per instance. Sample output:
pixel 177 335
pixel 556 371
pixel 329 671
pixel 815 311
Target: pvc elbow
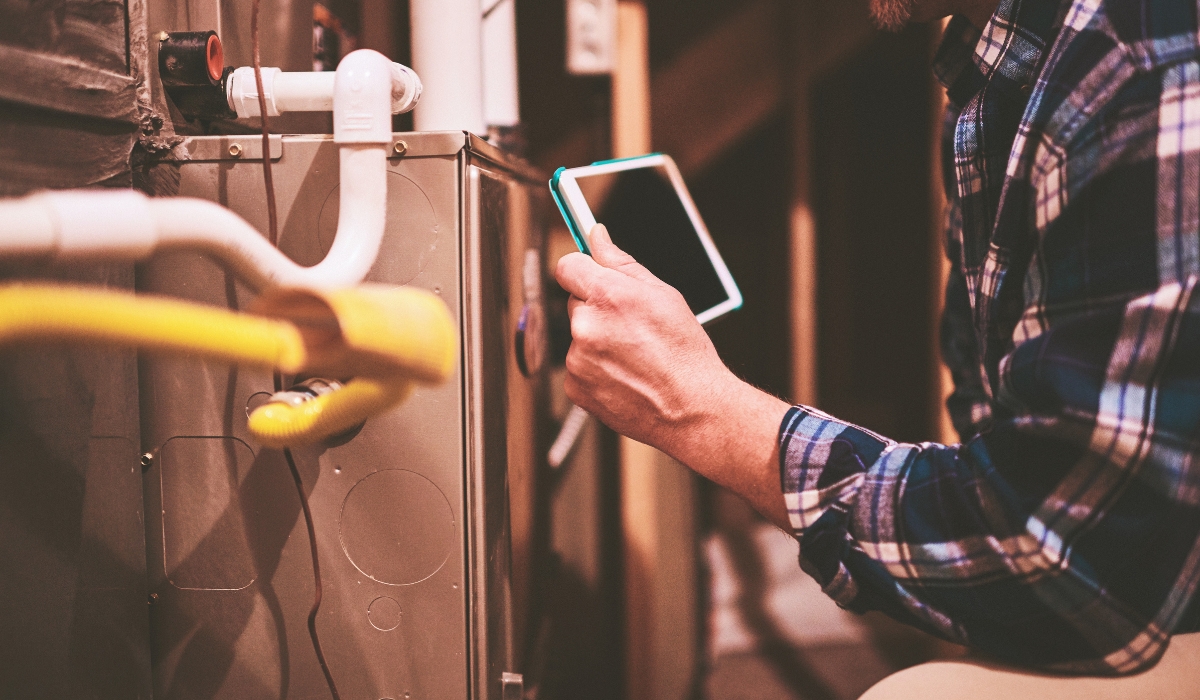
pixel 362 99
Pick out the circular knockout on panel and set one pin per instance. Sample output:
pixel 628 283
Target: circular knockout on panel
pixel 384 614
pixel 397 527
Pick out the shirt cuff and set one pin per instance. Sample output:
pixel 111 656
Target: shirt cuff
pixel 822 463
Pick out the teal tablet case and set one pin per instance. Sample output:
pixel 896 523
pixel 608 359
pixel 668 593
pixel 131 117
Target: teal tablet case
pixel 573 225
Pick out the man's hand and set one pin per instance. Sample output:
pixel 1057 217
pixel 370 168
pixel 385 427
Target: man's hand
pixel 638 361
pixel 641 363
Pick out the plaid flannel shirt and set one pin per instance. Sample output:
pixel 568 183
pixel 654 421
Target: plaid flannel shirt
pixel 1063 531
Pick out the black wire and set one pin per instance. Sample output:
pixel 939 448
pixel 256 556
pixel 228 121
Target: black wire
pixel 316 606
pixel 273 236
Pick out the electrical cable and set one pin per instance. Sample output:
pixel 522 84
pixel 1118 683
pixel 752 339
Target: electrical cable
pixel 273 224
pixel 273 237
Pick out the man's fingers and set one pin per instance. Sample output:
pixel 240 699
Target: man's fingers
pixel 609 255
pixel 577 274
pixel 572 303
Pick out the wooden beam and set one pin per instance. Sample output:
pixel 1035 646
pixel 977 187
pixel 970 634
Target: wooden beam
pixel 657 493
pixel 818 35
pixel 631 82
pixel 717 91
pixel 720 89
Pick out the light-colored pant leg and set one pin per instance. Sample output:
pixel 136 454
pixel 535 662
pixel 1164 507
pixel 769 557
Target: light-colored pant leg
pixel 1175 677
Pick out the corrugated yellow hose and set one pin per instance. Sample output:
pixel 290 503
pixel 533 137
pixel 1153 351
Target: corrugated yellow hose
pixel 388 337
pixel 39 312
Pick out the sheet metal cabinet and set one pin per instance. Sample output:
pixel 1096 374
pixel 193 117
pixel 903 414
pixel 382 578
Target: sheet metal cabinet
pixel 73 613
pixel 411 514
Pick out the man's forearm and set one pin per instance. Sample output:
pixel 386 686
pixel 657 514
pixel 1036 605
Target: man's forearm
pixel 641 363
pixel 734 441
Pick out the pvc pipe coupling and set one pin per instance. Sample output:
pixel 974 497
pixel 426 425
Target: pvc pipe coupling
pixel 314 92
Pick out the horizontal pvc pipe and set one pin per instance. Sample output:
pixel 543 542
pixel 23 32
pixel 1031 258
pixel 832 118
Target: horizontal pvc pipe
pixel 313 92
pixel 127 225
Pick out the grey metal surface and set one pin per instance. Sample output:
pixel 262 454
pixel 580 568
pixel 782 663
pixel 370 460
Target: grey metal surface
pixel 411 515
pixel 73 621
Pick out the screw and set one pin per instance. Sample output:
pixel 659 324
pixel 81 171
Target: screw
pixel 153 597
pixel 147 460
pixel 235 149
pixel 400 148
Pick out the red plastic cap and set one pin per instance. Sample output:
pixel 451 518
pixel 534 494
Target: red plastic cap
pixel 216 57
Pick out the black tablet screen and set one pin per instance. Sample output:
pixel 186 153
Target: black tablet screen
pixel 646 219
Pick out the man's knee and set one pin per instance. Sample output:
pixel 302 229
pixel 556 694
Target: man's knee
pixel 1175 677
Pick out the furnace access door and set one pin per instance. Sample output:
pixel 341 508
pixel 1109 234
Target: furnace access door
pixel 412 512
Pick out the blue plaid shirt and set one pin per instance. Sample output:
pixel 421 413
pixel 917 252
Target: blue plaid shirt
pixel 1063 531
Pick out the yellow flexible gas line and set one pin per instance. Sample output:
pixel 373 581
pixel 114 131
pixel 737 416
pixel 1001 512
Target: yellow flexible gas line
pixel 40 312
pixel 388 336
pixel 277 424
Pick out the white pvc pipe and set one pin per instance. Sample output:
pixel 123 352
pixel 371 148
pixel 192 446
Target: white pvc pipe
pixel 501 106
pixel 308 92
pixel 184 223
pixel 446 50
pixel 127 225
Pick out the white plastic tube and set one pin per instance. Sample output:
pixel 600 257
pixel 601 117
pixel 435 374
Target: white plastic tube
pixel 446 51
pixel 308 92
pixel 183 223
pixel 127 225
pixel 501 106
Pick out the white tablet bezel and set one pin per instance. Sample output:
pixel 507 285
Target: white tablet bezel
pixel 577 208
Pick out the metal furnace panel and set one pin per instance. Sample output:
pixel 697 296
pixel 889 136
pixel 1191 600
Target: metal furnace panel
pixel 407 603
pixel 73 620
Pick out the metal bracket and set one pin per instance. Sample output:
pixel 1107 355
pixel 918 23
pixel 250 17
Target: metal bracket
pixel 512 686
pixel 240 147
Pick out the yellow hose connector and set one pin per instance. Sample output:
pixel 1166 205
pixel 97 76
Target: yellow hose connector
pixel 405 334
pixel 385 337
pixel 279 424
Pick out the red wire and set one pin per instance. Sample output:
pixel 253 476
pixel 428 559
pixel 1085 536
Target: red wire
pixel 273 236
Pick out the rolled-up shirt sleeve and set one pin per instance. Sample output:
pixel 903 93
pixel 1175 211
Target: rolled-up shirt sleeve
pixel 1067 535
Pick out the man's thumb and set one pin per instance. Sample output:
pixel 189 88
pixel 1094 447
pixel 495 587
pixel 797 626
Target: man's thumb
pixel 605 252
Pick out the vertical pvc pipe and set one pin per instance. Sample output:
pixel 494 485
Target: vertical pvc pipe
pixel 500 95
pixel 447 54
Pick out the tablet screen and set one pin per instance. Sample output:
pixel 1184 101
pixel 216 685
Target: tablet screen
pixel 645 218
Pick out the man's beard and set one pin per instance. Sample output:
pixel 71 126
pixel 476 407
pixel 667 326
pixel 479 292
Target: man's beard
pixel 892 15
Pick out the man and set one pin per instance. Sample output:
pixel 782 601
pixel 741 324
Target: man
pixel 1063 532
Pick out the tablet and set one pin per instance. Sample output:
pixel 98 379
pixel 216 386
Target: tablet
pixel 650 215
